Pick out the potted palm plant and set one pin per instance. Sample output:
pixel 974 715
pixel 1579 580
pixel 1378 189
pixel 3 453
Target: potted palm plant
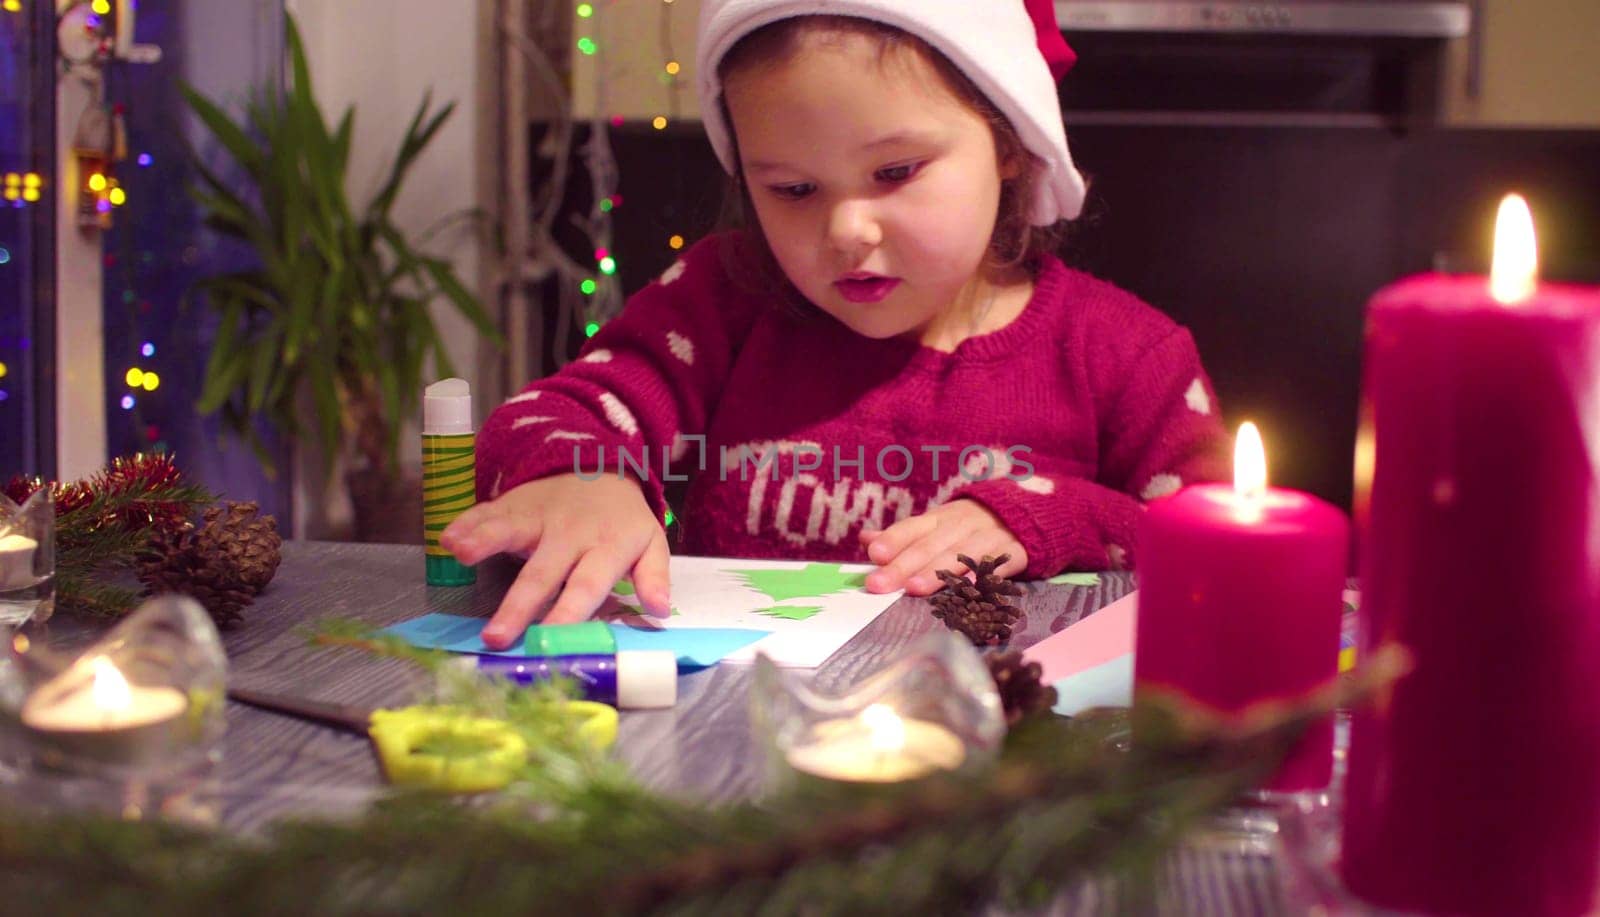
pixel 327 337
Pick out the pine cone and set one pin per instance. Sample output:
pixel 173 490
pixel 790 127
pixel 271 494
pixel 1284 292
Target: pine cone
pixel 1021 691
pixel 250 542
pixel 978 608
pixel 223 563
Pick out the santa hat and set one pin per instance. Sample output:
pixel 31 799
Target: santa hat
pixel 1010 49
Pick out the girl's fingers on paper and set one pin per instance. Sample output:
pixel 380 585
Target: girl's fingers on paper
pixel 652 576
pixel 866 535
pixel 539 579
pixel 590 581
pixel 886 545
pixel 924 580
pixel 912 567
pixel 989 537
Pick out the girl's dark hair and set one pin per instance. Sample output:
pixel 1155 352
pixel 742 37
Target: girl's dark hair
pixel 1015 240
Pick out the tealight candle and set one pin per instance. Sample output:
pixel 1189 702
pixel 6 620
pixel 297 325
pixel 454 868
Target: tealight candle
pixel 877 746
pixel 16 560
pixel 1240 595
pixel 92 711
pixel 1474 787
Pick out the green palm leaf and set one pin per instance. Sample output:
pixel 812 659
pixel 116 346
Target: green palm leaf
pixel 337 314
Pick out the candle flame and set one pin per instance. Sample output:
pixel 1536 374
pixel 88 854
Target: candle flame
pixel 888 730
pixel 110 689
pixel 1249 463
pixel 1515 271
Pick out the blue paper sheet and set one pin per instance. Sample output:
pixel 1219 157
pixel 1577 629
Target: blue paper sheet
pixel 696 647
pixel 456 633
pixel 1109 684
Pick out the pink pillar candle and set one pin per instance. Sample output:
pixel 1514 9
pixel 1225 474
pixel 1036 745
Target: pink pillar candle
pixel 1239 601
pixel 1474 788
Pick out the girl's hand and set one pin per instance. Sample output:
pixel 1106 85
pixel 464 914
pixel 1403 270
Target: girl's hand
pixel 908 552
pixel 579 538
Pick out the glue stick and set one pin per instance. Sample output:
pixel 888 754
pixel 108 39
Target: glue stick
pixel 628 680
pixel 449 474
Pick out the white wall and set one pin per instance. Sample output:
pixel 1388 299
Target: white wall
pixel 381 56
pixel 1538 67
pixel 626 76
pixel 80 360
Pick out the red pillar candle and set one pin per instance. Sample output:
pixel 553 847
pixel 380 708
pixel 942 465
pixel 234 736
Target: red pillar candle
pixel 1474 786
pixel 1240 593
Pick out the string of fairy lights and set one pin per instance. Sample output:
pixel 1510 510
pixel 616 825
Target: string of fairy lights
pixel 17 190
pixel 589 25
pixel 126 269
pixel 97 146
pixel 101 190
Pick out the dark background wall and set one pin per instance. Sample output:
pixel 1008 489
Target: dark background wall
pixel 1265 241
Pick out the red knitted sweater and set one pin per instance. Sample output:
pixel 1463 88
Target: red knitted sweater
pixel 794 432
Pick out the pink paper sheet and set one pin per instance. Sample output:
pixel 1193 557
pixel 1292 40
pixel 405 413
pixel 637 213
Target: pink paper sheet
pixel 1098 638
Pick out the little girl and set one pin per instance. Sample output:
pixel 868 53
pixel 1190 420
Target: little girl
pixel 887 365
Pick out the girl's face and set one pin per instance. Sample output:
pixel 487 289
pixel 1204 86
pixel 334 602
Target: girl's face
pixel 876 187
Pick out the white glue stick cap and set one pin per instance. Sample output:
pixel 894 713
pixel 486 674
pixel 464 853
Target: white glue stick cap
pixel 646 679
pixel 447 408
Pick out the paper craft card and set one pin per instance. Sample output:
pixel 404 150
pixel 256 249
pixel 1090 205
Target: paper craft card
pixel 811 608
pixel 696 648
pixel 1091 663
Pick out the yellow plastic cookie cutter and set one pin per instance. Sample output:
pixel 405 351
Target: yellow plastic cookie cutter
pixel 441 748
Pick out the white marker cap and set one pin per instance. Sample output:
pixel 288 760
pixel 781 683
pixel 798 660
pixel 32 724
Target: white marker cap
pixel 646 679
pixel 447 408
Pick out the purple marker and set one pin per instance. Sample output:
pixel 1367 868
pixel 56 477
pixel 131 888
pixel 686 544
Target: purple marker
pixel 630 680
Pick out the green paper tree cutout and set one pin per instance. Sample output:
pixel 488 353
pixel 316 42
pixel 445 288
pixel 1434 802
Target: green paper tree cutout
pixel 790 612
pixel 623 587
pixel 810 581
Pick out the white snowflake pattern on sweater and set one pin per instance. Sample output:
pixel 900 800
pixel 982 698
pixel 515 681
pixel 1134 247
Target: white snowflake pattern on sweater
pixel 681 347
pixel 618 414
pixel 1160 486
pixel 672 273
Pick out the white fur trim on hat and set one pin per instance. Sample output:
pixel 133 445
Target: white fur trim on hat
pixel 991 41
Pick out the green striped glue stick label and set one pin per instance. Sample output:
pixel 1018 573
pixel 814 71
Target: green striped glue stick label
pixel 449 482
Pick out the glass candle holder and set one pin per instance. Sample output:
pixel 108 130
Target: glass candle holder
pixel 27 559
pixel 145 700
pixel 933 709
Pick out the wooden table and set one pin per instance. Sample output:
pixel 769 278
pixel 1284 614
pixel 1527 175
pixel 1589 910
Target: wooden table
pixel 276 766
pixel 702 747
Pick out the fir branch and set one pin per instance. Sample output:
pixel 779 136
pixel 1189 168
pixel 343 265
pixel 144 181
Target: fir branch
pixel 82 593
pixel 1063 803
pixel 345 633
pixel 102 523
pixel 102 551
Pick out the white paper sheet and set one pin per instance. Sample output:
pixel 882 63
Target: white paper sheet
pixel 811 607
